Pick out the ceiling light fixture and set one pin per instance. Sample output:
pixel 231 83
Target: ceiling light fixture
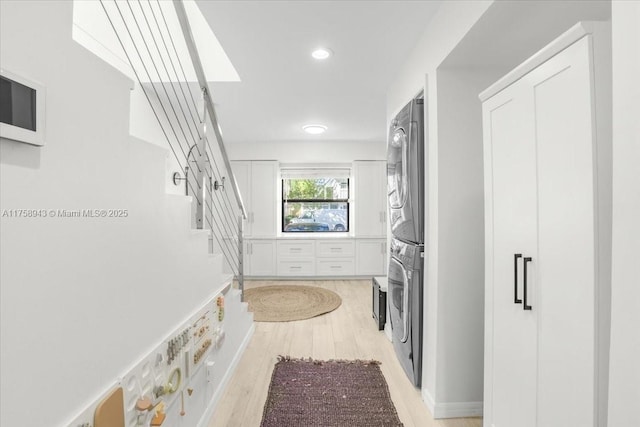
pixel 314 129
pixel 321 53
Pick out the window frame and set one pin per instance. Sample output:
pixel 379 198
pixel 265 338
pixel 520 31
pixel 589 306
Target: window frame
pixel 284 201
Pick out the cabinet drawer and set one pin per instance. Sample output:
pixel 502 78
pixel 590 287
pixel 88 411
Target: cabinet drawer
pixel 334 248
pixel 335 267
pixel 289 249
pixel 296 267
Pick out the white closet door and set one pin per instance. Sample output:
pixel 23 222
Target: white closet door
pixel 261 257
pixel 564 285
pixel 370 198
pixel 263 198
pixel 511 190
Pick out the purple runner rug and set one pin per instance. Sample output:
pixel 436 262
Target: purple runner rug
pixel 310 393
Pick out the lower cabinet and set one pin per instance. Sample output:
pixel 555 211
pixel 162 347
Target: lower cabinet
pixel 335 258
pixel 371 257
pixel 302 257
pixel 260 257
pixel 335 267
pixel 296 267
pixel 296 258
pixel 315 257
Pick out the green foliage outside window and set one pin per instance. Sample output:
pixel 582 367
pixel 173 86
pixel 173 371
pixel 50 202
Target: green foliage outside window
pixel 322 201
pixel 308 189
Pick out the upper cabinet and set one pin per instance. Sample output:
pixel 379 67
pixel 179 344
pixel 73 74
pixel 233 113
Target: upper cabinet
pixel 257 183
pixel 370 198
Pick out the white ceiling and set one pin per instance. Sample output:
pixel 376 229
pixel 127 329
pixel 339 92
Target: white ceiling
pixel 282 87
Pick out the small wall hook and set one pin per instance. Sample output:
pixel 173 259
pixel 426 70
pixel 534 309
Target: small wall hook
pixel 177 177
pixel 217 185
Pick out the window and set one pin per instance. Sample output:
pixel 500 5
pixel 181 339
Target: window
pixel 315 201
pixel 21 109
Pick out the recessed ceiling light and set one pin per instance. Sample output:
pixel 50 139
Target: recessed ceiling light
pixel 321 53
pixel 314 129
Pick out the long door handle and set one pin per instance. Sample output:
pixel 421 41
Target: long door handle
pixel 405 306
pixel 526 261
pixel 516 300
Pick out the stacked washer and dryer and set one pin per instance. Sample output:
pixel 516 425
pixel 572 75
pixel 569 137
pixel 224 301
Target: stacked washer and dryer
pixel 405 186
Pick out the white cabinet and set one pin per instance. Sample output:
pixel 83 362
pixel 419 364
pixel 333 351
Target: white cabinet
pixel 296 258
pixel 335 248
pixel 296 248
pixel 542 248
pixel 308 257
pixel 371 257
pixel 334 267
pixel 260 257
pixel 258 188
pixel 296 267
pixel 370 198
pixel 335 257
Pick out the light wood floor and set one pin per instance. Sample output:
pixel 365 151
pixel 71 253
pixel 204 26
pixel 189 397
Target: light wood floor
pixel 346 333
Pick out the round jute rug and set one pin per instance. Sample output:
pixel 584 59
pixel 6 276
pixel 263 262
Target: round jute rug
pixel 284 303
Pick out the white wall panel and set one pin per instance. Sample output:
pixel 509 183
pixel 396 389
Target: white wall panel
pixel 624 390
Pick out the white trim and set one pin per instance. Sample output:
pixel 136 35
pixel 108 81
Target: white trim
pixel 569 37
pixel 314 172
pixel 207 416
pixel 85 39
pixel 451 409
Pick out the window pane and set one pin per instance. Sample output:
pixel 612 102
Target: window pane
pixel 17 104
pixel 316 188
pixel 315 216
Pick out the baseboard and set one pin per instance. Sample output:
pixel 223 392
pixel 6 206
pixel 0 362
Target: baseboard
pixel 307 278
pixel 207 416
pixel 451 409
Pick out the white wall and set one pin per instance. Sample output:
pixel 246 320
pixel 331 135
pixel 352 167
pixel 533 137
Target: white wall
pixel 624 381
pixel 460 305
pixel 83 299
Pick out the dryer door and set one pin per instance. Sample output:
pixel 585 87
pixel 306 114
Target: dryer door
pixel 397 178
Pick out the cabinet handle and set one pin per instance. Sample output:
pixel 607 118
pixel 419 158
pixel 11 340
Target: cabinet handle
pixel 526 260
pixel 516 300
